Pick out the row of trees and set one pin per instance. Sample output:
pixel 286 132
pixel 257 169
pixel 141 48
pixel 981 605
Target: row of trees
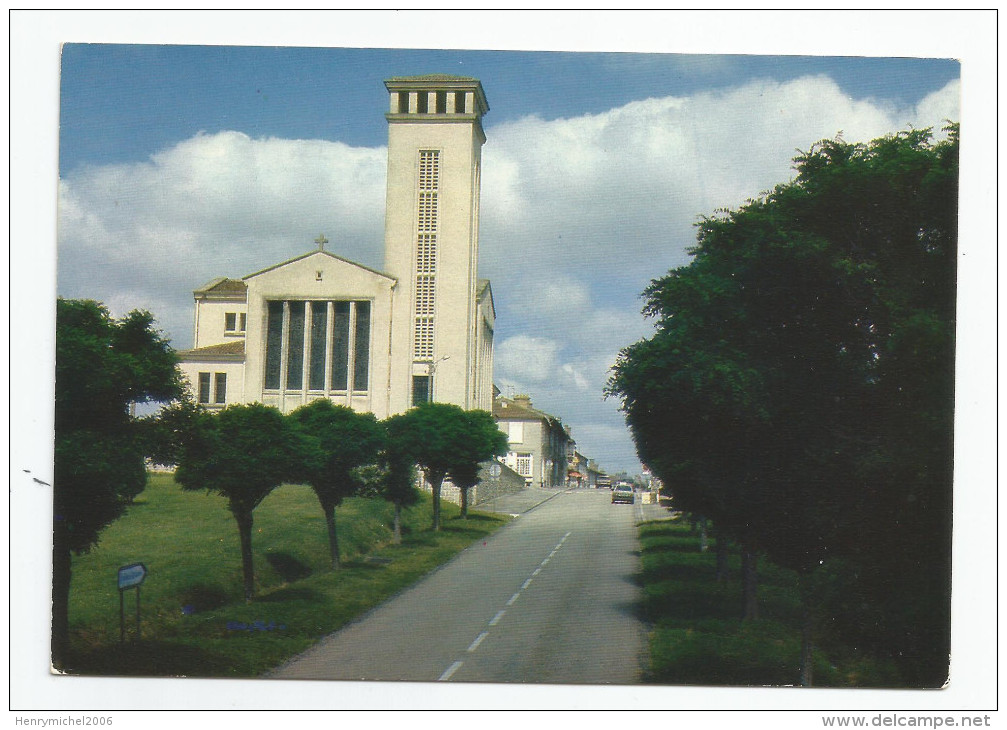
pixel 105 365
pixel 246 451
pixel 798 390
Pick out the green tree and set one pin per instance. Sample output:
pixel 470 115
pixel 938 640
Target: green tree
pixel 483 441
pixel 399 470
pixel 242 453
pixel 348 440
pixel 431 435
pixel 798 389
pixel 102 366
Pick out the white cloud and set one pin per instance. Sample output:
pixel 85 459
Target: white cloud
pixel 213 205
pixel 578 215
pixel 526 359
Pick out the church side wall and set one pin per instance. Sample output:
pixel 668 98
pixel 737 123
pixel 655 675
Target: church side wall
pixel 210 322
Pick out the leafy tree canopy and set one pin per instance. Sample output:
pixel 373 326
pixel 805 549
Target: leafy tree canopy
pixel 347 440
pixel 798 388
pixel 102 366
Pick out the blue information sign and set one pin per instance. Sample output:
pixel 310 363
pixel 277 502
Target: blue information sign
pixel 131 575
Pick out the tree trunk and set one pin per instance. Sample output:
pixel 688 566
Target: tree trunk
pixel 61 572
pixel 398 524
pixel 435 488
pixel 704 540
pixel 807 645
pixel 465 502
pixel 750 584
pixel 330 524
pixel 722 551
pixel 244 520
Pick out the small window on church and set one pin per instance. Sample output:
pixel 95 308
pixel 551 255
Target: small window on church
pixel 421 389
pixel 220 388
pixel 241 322
pixel 421 103
pixel 403 102
pixel 442 102
pixel 460 102
pixel 230 322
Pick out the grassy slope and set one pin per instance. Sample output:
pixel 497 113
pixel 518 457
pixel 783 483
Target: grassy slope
pixel 699 638
pixel 194 621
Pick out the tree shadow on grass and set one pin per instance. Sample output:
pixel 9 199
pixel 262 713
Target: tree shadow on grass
pixel 295 593
pixel 201 597
pixel 288 567
pixel 672 544
pixel 148 659
pixel 420 539
pixel 677 571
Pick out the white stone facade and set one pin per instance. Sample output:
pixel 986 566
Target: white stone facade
pixel 320 326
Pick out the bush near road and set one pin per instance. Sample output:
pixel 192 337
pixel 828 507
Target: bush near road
pixel 698 635
pixel 195 621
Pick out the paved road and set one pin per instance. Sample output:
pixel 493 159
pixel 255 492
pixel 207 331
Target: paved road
pixel 548 599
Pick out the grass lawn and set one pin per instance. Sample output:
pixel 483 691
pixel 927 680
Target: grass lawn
pixel 698 636
pixel 195 621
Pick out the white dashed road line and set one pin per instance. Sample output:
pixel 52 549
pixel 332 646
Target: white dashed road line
pixel 449 672
pixel 479 639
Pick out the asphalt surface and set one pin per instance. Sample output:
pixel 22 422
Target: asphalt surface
pixel 550 598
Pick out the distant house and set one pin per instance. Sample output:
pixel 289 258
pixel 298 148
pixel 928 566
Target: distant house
pixel 583 472
pixel 539 444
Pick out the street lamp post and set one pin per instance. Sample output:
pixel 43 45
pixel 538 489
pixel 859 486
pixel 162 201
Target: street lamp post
pixel 431 369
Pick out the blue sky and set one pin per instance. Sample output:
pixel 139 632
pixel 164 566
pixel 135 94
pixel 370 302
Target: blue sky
pixel 120 103
pixel 182 163
pixel 142 221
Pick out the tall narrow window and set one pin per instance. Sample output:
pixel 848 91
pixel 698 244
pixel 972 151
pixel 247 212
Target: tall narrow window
pixel 274 345
pixel 295 347
pixel 442 102
pixel 460 102
pixel 316 371
pixel 241 322
pixel 425 282
pixel 340 345
pixel 204 387
pixel 220 388
pixel 421 103
pixel 361 345
pixel 230 321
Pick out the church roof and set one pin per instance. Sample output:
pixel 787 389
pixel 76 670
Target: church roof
pixel 222 287
pixel 322 253
pixel 227 351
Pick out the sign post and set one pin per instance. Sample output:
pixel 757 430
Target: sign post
pixel 130 576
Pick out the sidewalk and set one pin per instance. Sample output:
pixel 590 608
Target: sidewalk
pixel 519 502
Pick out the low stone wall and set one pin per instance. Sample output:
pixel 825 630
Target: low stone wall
pixel 489 487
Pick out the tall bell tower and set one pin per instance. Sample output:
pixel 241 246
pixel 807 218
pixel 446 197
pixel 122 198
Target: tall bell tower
pixel 435 140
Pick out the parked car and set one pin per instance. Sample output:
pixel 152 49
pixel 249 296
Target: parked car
pixel 623 493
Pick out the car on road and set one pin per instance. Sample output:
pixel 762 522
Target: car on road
pixel 623 493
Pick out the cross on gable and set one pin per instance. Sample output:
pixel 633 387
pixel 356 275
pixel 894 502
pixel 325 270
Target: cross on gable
pixel 321 241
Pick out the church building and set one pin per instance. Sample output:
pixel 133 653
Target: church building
pixel 321 326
